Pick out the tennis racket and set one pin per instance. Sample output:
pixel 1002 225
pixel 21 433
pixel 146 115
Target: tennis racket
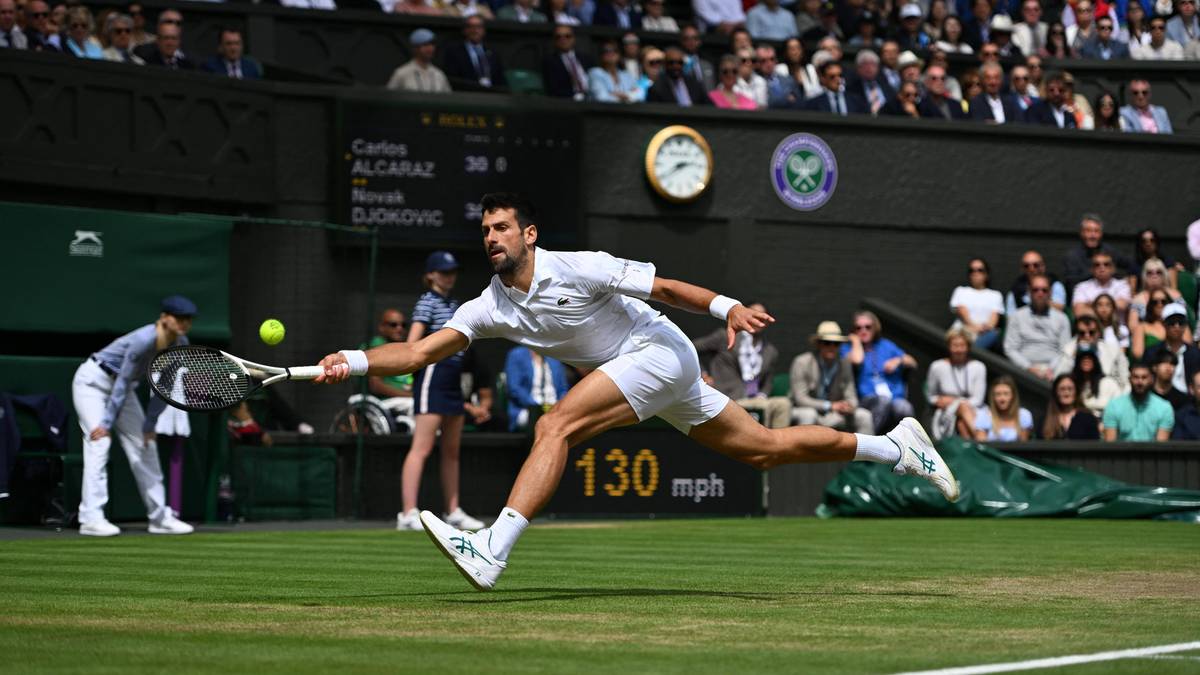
pixel 203 379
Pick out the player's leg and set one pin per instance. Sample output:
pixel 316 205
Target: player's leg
pixel 89 393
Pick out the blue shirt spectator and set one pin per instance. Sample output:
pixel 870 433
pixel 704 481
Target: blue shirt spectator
pixel 533 381
pixel 768 21
pixel 872 378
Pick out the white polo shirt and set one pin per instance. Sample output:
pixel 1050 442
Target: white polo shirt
pixel 584 308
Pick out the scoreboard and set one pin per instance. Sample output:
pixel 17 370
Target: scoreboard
pixel 418 173
pixel 645 471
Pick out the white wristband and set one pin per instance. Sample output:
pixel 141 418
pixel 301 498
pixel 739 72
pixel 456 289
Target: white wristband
pixel 720 306
pixel 357 360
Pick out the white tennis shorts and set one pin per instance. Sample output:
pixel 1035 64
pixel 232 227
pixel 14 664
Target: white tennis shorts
pixel 661 376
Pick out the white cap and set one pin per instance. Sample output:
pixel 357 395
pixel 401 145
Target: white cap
pixel 910 11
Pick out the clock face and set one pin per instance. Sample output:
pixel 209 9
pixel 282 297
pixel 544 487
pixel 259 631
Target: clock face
pixel 681 167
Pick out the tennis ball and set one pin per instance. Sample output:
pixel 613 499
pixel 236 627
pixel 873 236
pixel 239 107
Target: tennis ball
pixel 271 331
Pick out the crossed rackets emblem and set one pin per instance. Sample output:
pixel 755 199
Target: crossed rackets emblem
pixel 806 170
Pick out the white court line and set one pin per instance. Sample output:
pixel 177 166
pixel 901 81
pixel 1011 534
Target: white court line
pixel 1060 661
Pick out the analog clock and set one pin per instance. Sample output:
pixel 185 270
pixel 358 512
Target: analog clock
pixel 679 164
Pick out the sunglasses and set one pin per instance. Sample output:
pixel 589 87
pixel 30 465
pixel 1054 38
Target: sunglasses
pixel 78 25
pixel 938 78
pixel 39 15
pixel 563 36
pixel 1103 27
pixel 1102 264
pixel 1154 273
pixel 865 326
pixel 1087 333
pixel 121 30
pixel 1158 26
pixel 828 343
pixel 177 22
pixel 654 62
pixel 1039 289
pixel 977 269
pixel 1139 92
pixel 393 324
pixel 674 62
pixel 1175 321
pixel 1031 265
pixel 1158 303
pixel 729 71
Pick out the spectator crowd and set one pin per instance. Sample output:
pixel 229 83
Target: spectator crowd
pixel 780 55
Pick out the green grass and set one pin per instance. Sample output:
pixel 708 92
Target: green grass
pixel 721 596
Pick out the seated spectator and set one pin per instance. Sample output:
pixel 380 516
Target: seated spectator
pixel 911 34
pixel 1066 416
pixel 1154 278
pixel 746 372
pixel 652 68
pixel 1078 261
pixel 1112 331
pixel 906 102
pixel 1146 248
pixel 1000 35
pixel 1003 419
pixel 1024 92
pixel 230 60
pixel 564 71
pixel 822 385
pixel 467 9
pixel 1095 387
pixel 620 13
pixel 910 68
pixel 1140 116
pixel 420 74
pixel 694 65
pixel 583 10
pixel 1057 109
pixel 953 39
pixel 1108 118
pixel 827 27
pixel 1184 27
pixel 520 11
pixel 1077 104
pixel 1103 281
pixel 726 94
pixel 868 84
pixel 119 29
pixel 309 4
pixel 1030 34
pixel 631 55
pixel 956 387
pixel 140 35
pixel 833 99
pixel 1032 265
pixel 720 16
pixel 558 12
pixel 471 63
pixel 768 21
pixel 866 35
pixel 1187 356
pixel 1139 415
pixel 938 58
pixel 535 383
pixel 416 7
pixel 165 51
pixel 1160 47
pixel 675 87
pixel 938 103
pixel 977 307
pixel 392 327
pixel 831 44
pixel 935 18
pixel 803 74
pixel 782 90
pixel 977 26
pixel 1136 30
pixel 1187 418
pixel 79 41
pixel 1191 51
pixel 889 63
pixel 11 35
pixel 40 34
pixel 749 83
pixel 993 105
pixel 1035 335
pixel 656 20
pixel 972 86
pixel 1080 23
pixel 1163 368
pixel 808 17
pixel 608 83
pixel 881 366
pixel 1104 45
pixel 1112 357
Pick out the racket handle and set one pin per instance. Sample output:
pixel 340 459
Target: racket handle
pixel 305 372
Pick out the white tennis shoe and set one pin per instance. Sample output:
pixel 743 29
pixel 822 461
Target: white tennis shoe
pixel 409 520
pixel 99 528
pixel 462 521
pixel 169 524
pixel 919 458
pixel 470 552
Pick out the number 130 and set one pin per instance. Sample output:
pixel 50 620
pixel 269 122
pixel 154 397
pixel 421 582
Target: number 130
pixel 642 475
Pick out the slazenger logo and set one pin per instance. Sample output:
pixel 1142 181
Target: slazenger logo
pixel 698 488
pixel 87 244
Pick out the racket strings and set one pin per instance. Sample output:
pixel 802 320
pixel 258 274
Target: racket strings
pixel 205 379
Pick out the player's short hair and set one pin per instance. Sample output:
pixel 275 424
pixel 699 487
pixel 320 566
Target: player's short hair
pixel 526 214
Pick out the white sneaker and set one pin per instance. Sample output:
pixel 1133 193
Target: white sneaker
pixel 409 521
pixel 919 458
pixel 462 521
pixel 470 552
pixel 169 524
pixel 99 528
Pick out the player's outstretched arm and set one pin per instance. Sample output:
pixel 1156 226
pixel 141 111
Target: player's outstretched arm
pixel 697 299
pixel 397 358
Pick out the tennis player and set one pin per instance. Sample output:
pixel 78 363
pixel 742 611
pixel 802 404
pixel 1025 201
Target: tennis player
pixel 588 309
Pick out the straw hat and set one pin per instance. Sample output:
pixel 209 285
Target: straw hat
pixel 828 331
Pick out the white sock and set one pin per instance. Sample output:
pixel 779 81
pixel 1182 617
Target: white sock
pixel 505 531
pixel 879 449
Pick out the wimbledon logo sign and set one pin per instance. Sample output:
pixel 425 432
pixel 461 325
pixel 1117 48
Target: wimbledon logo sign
pixel 804 172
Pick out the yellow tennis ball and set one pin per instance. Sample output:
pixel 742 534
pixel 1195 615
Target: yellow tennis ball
pixel 271 331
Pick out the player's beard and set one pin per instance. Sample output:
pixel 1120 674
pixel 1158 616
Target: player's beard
pixel 509 264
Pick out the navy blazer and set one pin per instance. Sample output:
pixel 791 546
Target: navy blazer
pixel 153 57
pixel 555 78
pixel 982 112
pixel 216 65
pixel 855 104
pixel 606 15
pixel 1041 113
pixel 858 86
pixel 929 110
pixel 460 69
pixel 662 91
pixel 1090 49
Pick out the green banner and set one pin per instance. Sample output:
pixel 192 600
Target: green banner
pixel 72 270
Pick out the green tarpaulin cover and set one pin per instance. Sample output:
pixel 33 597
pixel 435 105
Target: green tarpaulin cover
pixel 1000 485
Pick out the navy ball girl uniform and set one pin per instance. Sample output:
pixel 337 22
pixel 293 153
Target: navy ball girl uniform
pixel 437 388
